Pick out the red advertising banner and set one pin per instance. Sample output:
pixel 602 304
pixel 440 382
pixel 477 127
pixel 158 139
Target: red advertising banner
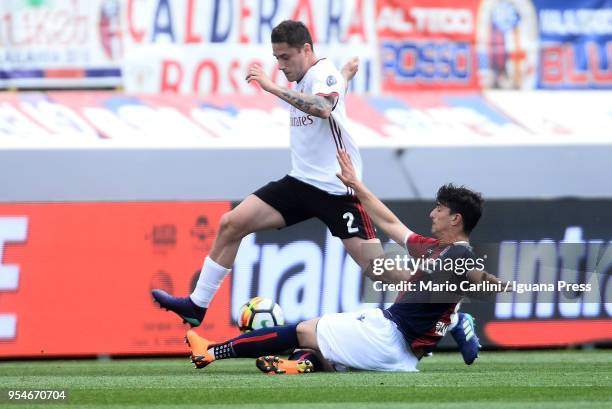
pixel 75 278
pixel 427 44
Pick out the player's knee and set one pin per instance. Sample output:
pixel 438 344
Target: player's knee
pixel 307 334
pixel 230 226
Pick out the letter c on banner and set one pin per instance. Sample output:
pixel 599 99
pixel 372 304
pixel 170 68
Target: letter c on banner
pixel 137 35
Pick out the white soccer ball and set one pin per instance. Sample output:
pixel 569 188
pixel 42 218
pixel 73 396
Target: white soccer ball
pixel 260 312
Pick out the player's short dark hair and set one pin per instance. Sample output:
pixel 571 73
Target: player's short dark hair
pixel 464 201
pixel 294 33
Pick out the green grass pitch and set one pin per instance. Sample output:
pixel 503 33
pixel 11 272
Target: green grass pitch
pixel 538 379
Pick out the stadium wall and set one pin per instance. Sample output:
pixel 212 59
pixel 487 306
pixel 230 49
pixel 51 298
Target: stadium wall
pixel 193 174
pixel 76 277
pixel 108 195
pixel 89 146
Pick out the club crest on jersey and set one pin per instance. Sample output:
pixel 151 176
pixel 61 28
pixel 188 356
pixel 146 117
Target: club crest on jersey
pixel 441 328
pixel 331 80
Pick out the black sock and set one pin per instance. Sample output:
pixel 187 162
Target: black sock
pixel 265 341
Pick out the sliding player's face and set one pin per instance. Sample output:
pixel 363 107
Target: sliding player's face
pixel 291 60
pixel 442 219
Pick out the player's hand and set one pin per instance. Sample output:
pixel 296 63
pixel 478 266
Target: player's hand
pixel 256 73
pixel 350 69
pixel 347 172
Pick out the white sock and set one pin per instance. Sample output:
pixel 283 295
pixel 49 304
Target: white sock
pixel 210 280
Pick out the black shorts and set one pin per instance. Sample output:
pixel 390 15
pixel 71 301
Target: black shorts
pixel 297 201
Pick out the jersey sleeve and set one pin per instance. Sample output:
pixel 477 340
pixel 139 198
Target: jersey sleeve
pixel 417 244
pixel 327 82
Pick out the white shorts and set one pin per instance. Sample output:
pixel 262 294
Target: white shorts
pixel 364 340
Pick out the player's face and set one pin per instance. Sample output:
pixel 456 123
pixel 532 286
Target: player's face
pixel 291 60
pixel 441 219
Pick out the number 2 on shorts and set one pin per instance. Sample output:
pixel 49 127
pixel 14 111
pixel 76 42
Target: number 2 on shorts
pixel 349 222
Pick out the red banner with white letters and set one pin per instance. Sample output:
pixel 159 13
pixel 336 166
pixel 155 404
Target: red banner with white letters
pixel 75 278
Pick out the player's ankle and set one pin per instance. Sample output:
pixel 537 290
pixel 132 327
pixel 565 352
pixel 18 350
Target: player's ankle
pixel 198 305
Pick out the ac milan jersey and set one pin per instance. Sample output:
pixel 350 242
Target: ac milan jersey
pixel 315 141
pixel 424 316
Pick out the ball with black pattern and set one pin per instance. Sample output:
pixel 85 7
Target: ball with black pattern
pixel 260 312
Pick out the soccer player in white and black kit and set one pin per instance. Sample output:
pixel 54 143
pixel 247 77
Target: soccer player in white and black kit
pixel 393 339
pixel 318 125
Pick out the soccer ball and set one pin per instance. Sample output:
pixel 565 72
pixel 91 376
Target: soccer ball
pixel 260 312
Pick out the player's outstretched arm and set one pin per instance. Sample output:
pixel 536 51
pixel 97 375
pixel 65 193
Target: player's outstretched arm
pixel 316 105
pixel 382 216
pixel 349 70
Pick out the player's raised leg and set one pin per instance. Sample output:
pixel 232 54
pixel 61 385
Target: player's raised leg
pixel 253 214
